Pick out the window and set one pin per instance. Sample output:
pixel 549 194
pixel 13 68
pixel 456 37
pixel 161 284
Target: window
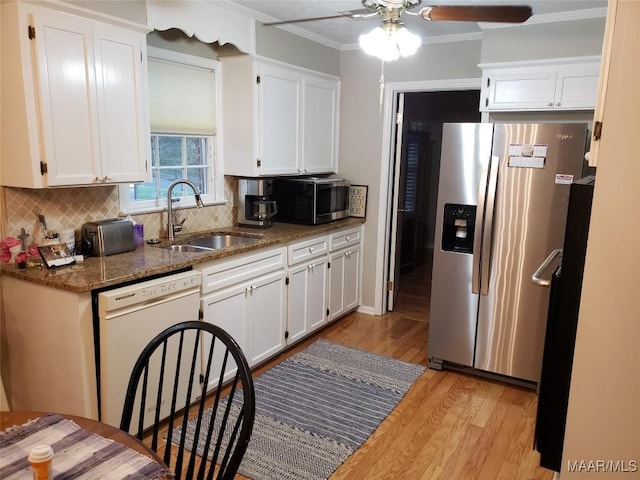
pixel 184 133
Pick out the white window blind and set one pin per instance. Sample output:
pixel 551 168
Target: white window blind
pixel 179 106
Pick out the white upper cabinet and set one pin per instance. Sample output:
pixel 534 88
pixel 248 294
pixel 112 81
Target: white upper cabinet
pixel 319 136
pixel 279 109
pixel 561 84
pixel 278 119
pixel 74 99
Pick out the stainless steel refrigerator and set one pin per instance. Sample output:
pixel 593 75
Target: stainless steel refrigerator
pixel 502 205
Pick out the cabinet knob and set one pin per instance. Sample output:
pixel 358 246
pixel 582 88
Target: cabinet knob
pixel 306 170
pixel 347 238
pixel 310 249
pixel 550 104
pixel 558 104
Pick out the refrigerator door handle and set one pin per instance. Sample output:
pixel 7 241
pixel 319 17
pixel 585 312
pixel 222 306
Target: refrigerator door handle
pixel 488 225
pixel 550 260
pixel 477 243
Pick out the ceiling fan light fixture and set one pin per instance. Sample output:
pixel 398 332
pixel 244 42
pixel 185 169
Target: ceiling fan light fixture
pixel 389 42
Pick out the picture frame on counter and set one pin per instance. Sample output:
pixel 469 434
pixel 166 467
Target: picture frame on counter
pixel 56 255
pixel 358 200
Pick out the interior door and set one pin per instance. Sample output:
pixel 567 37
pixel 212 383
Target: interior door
pixel 397 217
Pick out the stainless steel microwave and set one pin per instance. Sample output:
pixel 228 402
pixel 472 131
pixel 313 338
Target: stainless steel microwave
pixel 311 200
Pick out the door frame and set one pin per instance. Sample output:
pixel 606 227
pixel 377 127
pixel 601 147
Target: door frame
pixel 392 89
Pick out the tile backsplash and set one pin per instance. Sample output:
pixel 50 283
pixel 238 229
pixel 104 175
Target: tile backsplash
pixel 72 207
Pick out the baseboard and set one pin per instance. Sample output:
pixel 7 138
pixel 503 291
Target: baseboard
pixel 366 310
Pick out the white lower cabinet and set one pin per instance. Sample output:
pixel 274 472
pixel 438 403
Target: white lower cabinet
pixel 344 276
pixel 307 298
pixel 344 294
pixel 307 289
pixel 272 298
pixel 246 297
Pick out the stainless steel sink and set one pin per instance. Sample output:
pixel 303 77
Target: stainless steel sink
pixel 187 248
pixel 220 240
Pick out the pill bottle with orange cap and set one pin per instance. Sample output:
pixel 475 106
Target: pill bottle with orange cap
pixel 40 458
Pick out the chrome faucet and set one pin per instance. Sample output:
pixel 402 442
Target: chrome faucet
pixel 171 227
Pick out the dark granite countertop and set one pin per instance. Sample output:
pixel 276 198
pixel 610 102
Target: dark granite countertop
pixel 97 272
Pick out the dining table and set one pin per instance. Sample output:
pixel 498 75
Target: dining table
pixel 81 446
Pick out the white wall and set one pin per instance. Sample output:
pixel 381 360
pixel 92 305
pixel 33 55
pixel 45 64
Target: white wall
pixel 603 421
pixel 134 10
pixel 286 47
pixel 541 41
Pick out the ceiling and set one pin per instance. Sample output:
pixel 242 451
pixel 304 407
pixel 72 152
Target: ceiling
pixel 343 33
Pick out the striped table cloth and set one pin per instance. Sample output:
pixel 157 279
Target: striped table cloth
pixel 78 453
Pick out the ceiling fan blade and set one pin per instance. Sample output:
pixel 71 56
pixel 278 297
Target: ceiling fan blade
pixel 480 13
pixel 311 19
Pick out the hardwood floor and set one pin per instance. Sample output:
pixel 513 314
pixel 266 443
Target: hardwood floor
pixel 449 426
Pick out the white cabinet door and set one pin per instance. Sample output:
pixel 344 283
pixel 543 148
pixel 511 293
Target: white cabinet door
pixel 121 86
pixel 227 309
pixel 307 298
pixel 344 282
pixel 317 284
pixel 336 285
pixel 576 90
pixel 68 104
pixel 279 121
pixel 320 137
pixel 520 91
pixel 266 320
pixel 351 279
pixel 297 325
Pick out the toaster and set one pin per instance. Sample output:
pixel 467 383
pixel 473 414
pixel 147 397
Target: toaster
pixel 106 237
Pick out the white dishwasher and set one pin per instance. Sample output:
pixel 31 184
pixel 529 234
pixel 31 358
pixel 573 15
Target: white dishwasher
pixel 129 318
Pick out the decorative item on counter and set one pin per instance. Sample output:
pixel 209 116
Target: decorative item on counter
pixel 56 255
pixel 40 458
pixel 6 254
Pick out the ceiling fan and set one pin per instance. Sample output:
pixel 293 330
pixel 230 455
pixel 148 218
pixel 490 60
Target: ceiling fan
pixel 392 39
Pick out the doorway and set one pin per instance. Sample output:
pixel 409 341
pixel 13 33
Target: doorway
pixel 416 169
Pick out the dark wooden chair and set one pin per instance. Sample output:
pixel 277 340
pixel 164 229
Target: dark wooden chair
pixel 186 367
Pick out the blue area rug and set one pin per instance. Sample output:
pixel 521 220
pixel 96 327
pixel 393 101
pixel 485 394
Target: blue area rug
pixel 317 407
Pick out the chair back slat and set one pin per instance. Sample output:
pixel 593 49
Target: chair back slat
pixel 185 371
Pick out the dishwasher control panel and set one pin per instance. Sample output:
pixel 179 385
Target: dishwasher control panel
pixel 144 292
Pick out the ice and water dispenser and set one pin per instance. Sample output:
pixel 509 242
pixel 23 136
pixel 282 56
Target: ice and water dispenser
pixel 458 226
